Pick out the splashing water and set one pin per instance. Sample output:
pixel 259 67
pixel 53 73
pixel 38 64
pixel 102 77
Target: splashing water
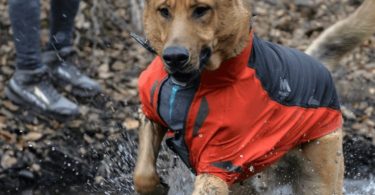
pixel 114 173
pixel 179 178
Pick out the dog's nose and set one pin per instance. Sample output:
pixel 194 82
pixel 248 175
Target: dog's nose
pixel 176 57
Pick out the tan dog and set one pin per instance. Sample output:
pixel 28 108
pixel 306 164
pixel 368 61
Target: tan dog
pixel 223 27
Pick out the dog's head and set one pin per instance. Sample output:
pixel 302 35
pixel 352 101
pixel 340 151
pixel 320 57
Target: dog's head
pixel 194 34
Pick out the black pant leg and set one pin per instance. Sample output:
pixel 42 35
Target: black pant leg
pixel 25 21
pixel 63 13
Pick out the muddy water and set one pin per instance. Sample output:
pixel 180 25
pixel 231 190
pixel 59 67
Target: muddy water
pixel 363 186
pixel 116 176
pixel 181 180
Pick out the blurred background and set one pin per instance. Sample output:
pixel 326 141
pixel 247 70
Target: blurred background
pixel 95 153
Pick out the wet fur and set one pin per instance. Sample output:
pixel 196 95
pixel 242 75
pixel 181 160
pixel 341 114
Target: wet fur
pixel 151 135
pixel 345 35
pixel 313 168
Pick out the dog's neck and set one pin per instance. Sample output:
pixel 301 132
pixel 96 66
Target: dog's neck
pixel 230 70
pixel 231 45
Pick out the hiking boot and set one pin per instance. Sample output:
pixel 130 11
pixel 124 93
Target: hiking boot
pixel 64 72
pixel 33 89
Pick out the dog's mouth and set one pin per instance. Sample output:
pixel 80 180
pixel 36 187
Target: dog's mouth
pixel 184 78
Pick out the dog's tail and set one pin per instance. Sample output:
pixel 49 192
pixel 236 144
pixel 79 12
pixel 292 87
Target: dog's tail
pixel 345 35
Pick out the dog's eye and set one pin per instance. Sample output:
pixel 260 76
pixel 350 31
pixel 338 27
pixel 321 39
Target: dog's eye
pixel 165 12
pixel 200 11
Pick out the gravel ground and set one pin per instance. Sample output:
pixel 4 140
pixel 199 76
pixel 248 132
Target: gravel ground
pixel 96 151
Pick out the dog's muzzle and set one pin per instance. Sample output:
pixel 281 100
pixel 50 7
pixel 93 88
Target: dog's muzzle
pixel 186 78
pixel 177 76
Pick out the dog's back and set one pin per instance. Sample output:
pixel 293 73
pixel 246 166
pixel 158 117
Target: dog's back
pixel 291 77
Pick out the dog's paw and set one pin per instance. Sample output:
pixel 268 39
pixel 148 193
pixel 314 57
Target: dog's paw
pixel 161 189
pixel 146 183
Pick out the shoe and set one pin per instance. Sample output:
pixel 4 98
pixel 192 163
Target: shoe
pixel 64 72
pixel 33 89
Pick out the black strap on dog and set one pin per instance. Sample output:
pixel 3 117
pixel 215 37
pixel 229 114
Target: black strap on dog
pixel 144 42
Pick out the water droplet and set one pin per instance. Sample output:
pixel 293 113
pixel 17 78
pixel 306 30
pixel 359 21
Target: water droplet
pixel 241 156
pixel 251 169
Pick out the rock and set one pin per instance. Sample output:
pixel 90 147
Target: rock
pixel 8 161
pixel 132 83
pixel 35 167
pixel 306 3
pixel 26 174
pixel 6 113
pixel 33 136
pixel 10 106
pixel 370 123
pixel 6 136
pixel 6 70
pixel 88 139
pixel 369 111
pixel 99 136
pixel 84 110
pixel 104 72
pixel 358 126
pixel 99 179
pixel 347 113
pixel 118 66
pixel 2 122
pixel 75 124
pixel 82 151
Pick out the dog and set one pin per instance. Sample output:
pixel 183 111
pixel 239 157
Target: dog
pixel 233 106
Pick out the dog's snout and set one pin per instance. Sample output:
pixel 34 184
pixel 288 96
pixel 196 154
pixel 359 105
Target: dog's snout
pixel 176 57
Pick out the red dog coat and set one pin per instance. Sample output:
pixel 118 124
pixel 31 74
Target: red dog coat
pixel 241 118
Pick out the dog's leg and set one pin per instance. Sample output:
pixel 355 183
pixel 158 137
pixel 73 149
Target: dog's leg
pixel 323 166
pixel 207 184
pixel 151 135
